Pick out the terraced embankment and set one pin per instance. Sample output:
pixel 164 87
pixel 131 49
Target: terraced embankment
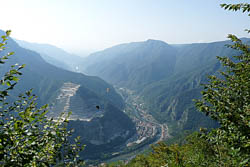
pixel 68 100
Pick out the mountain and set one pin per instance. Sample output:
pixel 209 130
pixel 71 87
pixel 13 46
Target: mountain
pixel 54 55
pixel 171 98
pixel 167 77
pixel 133 65
pixel 105 134
pixel 65 91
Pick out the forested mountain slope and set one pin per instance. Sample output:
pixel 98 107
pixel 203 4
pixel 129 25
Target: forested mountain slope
pixel 68 91
pixel 166 76
pixel 171 98
pixel 133 65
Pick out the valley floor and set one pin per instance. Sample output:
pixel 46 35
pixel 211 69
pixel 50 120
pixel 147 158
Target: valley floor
pixel 149 130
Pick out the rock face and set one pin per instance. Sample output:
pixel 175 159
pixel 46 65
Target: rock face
pixel 62 102
pixel 104 132
pixel 96 126
pixel 167 77
pixel 69 91
pixel 69 99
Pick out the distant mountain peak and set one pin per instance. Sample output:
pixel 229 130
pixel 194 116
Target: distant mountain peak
pixel 155 41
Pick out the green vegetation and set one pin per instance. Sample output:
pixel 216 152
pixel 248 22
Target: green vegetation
pixel 48 81
pixel 133 65
pixel 170 100
pixel 225 98
pixel 196 152
pixel 27 136
pixel 102 130
pixel 167 77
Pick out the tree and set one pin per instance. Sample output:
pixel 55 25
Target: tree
pixel 27 136
pixel 195 152
pixel 226 99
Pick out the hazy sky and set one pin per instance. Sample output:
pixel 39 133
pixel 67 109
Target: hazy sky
pixel 78 25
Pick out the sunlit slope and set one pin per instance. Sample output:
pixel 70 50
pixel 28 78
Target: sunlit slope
pixel 47 79
pixel 134 64
pixel 68 91
pixel 168 77
pixel 171 99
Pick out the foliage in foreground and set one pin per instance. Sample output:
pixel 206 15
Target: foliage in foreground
pixel 27 136
pixel 226 100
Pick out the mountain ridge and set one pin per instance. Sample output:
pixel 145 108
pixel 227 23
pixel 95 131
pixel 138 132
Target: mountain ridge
pixel 53 55
pixel 126 63
pixel 48 83
pixel 169 96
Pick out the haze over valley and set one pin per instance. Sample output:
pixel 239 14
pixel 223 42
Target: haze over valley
pixel 127 72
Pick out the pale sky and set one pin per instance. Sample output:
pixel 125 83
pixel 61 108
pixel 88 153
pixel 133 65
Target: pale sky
pixel 79 25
